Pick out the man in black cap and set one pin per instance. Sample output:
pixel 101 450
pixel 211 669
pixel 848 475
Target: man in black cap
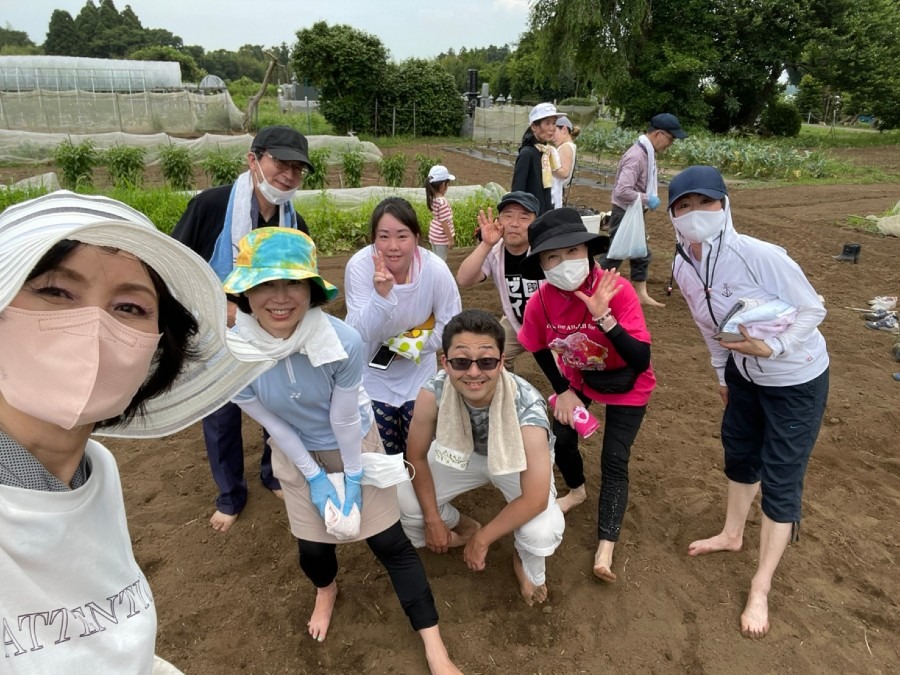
pixel 213 223
pixel 503 246
pixel 636 179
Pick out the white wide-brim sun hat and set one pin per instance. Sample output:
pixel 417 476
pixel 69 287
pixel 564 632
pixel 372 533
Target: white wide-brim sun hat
pixel 29 229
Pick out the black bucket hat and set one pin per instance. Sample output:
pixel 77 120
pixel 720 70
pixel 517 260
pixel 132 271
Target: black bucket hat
pixel 559 228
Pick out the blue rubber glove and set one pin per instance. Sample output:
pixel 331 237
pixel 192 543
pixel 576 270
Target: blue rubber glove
pixel 352 492
pixel 321 490
pixel 653 202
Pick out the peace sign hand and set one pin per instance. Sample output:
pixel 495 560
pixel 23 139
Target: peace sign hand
pixel 383 280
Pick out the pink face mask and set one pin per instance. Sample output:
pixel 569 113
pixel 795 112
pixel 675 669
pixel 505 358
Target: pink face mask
pixel 71 367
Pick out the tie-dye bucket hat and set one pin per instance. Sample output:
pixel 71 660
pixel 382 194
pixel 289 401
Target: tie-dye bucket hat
pixel 271 253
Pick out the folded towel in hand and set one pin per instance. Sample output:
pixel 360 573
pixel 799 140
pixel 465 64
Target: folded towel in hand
pixel 337 524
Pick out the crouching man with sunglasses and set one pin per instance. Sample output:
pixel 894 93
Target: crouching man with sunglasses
pixel 474 423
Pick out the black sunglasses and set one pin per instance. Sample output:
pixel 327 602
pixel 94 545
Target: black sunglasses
pixel 461 363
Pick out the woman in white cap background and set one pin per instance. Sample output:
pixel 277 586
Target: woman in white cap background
pixel 110 327
pixel 586 329
pixel 774 383
pixel 533 171
pixel 441 231
pixel 322 428
pixel 564 142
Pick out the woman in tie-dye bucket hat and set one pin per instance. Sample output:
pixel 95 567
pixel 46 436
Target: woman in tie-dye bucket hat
pixel 320 420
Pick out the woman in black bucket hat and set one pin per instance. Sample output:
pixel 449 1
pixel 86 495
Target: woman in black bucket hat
pixel 586 330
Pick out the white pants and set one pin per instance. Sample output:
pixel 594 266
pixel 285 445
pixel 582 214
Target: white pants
pixel 534 540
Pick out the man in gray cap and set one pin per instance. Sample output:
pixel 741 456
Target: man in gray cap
pixel 213 223
pixel 504 244
pixel 636 179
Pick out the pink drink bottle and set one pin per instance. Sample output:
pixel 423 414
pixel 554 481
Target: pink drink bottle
pixel 583 421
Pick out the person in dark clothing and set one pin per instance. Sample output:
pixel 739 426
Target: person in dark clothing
pixel 533 171
pixel 214 221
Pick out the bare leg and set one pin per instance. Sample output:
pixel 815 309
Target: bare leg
pixel 641 288
pixel 222 522
pixel 603 561
pixel 321 616
pixel 531 593
pixel 731 538
pixel 773 540
pixel 572 499
pixel 465 528
pixel 279 493
pixel 439 662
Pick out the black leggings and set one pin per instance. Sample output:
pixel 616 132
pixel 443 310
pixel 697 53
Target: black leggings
pixel 619 431
pixel 392 547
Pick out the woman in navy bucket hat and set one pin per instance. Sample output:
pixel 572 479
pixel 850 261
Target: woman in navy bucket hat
pixel 773 379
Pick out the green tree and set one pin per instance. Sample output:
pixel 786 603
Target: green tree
pixel 190 71
pixel 63 37
pixel 425 98
pixel 349 68
pixel 9 37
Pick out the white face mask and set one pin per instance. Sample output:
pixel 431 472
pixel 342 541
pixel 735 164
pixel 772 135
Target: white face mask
pixel 700 226
pixel 568 275
pixel 272 194
pixel 383 471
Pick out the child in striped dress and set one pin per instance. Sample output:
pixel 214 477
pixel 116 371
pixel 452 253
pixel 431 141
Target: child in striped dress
pixel 440 232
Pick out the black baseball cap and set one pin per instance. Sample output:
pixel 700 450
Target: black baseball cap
pixel 524 199
pixel 558 228
pixel 704 180
pixel 668 122
pixel 282 142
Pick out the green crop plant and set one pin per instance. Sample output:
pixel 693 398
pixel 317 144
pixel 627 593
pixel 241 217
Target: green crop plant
pixel 222 167
pixel 317 177
pixel 177 166
pixel 353 164
pixel 423 166
pixel 125 165
pixel 76 162
pixel 393 169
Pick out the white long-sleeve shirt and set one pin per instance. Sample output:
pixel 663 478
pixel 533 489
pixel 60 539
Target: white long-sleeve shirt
pixel 433 291
pixel 735 266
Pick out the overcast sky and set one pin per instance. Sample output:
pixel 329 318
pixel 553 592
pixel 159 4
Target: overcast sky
pixel 421 28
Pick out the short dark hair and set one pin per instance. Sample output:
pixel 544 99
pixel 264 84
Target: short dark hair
pixel 473 321
pixel 317 298
pixel 177 325
pixel 401 209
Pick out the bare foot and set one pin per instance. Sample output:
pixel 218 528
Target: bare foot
pixel 721 542
pixel 464 530
pixel 755 619
pixel 647 300
pixel 572 499
pixel 439 662
pixel 222 522
pixel 279 493
pixel 531 593
pixel 603 561
pixel 321 616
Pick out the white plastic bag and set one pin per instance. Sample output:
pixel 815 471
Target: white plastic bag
pixel 631 239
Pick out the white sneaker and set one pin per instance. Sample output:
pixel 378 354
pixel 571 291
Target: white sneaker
pixel 888 324
pixel 886 302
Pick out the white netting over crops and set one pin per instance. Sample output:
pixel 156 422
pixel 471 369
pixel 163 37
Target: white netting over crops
pixel 22 147
pixel 350 198
pixel 509 122
pixel 145 112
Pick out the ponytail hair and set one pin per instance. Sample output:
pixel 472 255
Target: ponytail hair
pixel 431 191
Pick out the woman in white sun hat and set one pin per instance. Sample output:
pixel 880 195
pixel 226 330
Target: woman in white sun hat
pixel 537 159
pixel 108 326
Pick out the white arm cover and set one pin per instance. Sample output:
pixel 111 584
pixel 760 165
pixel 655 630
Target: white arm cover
pixel 347 427
pixel 284 435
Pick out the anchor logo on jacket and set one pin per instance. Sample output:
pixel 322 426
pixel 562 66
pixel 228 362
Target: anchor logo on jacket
pixel 726 290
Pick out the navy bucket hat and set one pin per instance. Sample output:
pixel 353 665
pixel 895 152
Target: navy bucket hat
pixel 704 180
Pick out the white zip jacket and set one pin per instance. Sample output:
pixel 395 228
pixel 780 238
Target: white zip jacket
pixel 736 266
